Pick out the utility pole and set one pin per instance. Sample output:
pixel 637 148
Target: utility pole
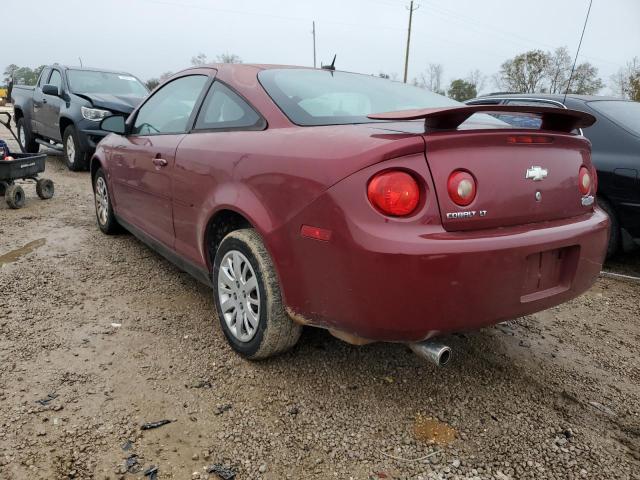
pixel 314 43
pixel 406 57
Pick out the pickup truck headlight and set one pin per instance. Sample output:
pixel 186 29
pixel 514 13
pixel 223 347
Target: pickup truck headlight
pixel 94 114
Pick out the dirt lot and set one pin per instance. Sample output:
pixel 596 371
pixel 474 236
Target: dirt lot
pixel 120 337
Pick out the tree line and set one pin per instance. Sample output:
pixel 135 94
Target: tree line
pixel 534 71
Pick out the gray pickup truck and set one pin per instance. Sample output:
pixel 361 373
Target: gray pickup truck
pixel 63 110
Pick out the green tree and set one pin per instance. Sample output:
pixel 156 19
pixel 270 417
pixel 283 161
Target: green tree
pixel 10 72
pixel 228 58
pixel 634 87
pixel 525 73
pixel 462 90
pixel 152 83
pixel 585 80
pixel 625 82
pixel 199 59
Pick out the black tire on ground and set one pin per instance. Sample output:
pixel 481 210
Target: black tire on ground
pixel 23 131
pixel 614 232
pixel 15 196
pixel 75 155
pixel 3 188
pixel 275 331
pixel 45 188
pixel 104 209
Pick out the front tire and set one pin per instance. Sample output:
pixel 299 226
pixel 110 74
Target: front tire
pixel 248 298
pixel 104 209
pixel 26 139
pixel 614 233
pixel 75 155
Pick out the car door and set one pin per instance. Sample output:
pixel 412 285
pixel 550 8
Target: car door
pixel 38 102
pixel 50 113
pixel 143 160
pixel 217 145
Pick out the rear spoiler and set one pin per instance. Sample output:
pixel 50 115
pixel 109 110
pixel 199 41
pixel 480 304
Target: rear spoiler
pixel 450 118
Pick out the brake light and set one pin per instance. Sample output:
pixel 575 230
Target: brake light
pixel 461 187
pixel 394 193
pixel 584 181
pixel 530 139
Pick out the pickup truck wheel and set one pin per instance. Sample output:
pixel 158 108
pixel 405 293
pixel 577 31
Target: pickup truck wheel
pixel 25 137
pixel 14 196
pixel 75 156
pixel 614 232
pixel 248 299
pixel 104 210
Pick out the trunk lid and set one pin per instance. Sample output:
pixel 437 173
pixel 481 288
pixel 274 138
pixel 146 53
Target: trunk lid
pixel 521 175
pixel 516 183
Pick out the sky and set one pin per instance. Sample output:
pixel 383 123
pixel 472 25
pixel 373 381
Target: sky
pixel 149 37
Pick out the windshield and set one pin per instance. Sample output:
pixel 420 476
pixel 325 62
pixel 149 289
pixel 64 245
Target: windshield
pixel 624 113
pixel 322 97
pixel 88 81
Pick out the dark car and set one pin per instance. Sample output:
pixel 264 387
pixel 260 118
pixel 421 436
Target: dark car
pixel 284 190
pixel 615 140
pixel 66 106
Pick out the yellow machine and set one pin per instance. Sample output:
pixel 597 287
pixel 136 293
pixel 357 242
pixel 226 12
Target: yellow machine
pixel 3 96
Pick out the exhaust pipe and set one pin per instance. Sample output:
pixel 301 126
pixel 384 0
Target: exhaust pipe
pixel 436 353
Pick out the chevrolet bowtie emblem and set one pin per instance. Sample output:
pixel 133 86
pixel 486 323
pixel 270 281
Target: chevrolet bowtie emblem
pixel 536 173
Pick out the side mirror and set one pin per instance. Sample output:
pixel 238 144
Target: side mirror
pixel 114 124
pixel 51 90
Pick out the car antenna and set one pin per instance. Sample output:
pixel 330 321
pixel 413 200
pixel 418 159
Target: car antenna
pixel 575 60
pixel 331 67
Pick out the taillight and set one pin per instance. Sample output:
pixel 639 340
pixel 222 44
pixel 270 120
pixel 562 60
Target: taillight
pixel 462 187
pixel 394 193
pixel 530 139
pixel 584 181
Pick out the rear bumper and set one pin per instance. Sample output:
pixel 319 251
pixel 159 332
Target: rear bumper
pixel 378 285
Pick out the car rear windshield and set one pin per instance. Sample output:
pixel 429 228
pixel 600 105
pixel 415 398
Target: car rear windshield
pixel 323 97
pixel 624 113
pixel 88 81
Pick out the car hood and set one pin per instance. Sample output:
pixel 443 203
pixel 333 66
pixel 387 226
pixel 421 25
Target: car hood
pixel 115 103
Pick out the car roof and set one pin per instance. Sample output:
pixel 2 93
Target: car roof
pixel 88 69
pixel 558 97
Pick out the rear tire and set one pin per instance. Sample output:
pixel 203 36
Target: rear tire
pixel 104 209
pixel 15 196
pixel 246 290
pixel 45 188
pixel 25 137
pixel 76 156
pixel 614 233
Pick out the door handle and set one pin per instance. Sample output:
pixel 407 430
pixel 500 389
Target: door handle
pixel 44 100
pixel 160 162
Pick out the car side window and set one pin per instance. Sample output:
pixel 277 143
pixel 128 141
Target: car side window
pixel 224 109
pixel 43 77
pixel 55 79
pixel 168 110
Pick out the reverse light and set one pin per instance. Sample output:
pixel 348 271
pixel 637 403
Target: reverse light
pixel 94 114
pixel 462 187
pixel 584 181
pixel 394 193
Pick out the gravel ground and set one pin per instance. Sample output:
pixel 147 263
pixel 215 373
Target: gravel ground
pixel 109 336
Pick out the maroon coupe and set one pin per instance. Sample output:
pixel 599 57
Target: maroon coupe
pixel 374 209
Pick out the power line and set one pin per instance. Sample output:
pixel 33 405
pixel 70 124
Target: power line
pixel 406 57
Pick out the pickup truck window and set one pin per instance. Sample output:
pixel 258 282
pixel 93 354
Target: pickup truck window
pixel 88 81
pixel 168 110
pixel 55 79
pixel 43 77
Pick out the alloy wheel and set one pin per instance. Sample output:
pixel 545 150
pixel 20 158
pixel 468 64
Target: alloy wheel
pixel 239 295
pixel 102 201
pixel 22 137
pixel 71 149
